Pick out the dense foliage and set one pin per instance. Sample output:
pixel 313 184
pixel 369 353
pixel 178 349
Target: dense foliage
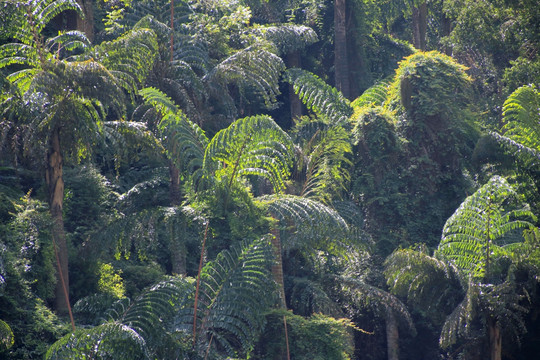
pixel 249 179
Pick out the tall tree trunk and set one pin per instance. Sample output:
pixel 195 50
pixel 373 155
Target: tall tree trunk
pixel 341 62
pixel 419 20
pixel 495 339
pixel 392 335
pixel 293 60
pixel 86 25
pixel 446 30
pixel 55 183
pixel 277 268
pixel 177 248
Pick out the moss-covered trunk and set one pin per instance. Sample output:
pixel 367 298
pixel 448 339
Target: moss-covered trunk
pixel 341 62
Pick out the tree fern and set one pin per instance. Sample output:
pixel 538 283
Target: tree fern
pixel 252 67
pixel 236 289
pixel 521 129
pixel 250 146
pixel 288 37
pixel 376 95
pixel 318 96
pixel 425 281
pixel 476 231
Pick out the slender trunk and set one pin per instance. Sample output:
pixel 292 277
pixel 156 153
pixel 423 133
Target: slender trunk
pixel 55 183
pixel 495 340
pixel 419 19
pixel 341 63
pixel 293 59
pixel 392 335
pixel 86 25
pixel 446 30
pixel 175 196
pixel 277 268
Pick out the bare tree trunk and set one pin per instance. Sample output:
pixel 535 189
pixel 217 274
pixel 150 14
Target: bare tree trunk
pixel 341 62
pixel 446 30
pixel 419 19
pixel 495 340
pixel 55 183
pixel 293 59
pixel 277 268
pixel 175 195
pixel 86 25
pixel 392 335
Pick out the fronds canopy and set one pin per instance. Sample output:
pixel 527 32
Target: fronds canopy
pixel 288 37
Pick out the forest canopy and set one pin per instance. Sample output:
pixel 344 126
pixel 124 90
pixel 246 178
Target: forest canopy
pixel 253 179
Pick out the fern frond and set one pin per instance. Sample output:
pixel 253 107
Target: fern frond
pixel 320 97
pixel 252 67
pixel 376 95
pixel 382 301
pixel 46 10
pixel 472 234
pixel 236 289
pixel 107 341
pixel 288 37
pixel 66 42
pixel 251 146
pixel 423 280
pixel 521 115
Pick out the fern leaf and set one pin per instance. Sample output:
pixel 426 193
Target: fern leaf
pixel 320 97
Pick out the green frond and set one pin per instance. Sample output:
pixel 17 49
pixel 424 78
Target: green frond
pixel 161 29
pixel 308 297
pixel 376 95
pixel 382 301
pixel 251 68
pixel 108 341
pixel 322 162
pixel 20 54
pixel 158 100
pixel 67 41
pixel 288 37
pixel 320 97
pixel 423 280
pixel 236 290
pixel 474 232
pixel 46 10
pixel 251 146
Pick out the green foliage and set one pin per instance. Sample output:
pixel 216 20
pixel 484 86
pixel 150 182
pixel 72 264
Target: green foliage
pixel 110 282
pixel 288 37
pixel 236 290
pixel 318 337
pixel 482 228
pixel 320 97
pixel 322 160
pixel 6 336
pixel 250 146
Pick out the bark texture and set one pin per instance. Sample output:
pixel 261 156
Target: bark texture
pixel 495 340
pixel 293 60
pixel 341 63
pixel 55 183
pixel 86 25
pixel 392 335
pixel 277 268
pixel 419 18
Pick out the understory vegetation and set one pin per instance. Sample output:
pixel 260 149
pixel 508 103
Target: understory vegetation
pixel 253 179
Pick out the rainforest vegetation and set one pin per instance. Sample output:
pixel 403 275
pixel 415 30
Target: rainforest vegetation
pixel 269 179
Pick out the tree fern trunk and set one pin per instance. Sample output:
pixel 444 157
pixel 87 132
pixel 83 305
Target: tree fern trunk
pixel 419 20
pixel 175 196
pixel 495 340
pixel 341 63
pixel 392 335
pixel 55 183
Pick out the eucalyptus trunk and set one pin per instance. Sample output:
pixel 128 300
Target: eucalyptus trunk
pixel 277 268
pixel 341 62
pixel 55 183
pixel 392 335
pixel 495 340
pixel 419 20
pixel 86 24
pixel 293 59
